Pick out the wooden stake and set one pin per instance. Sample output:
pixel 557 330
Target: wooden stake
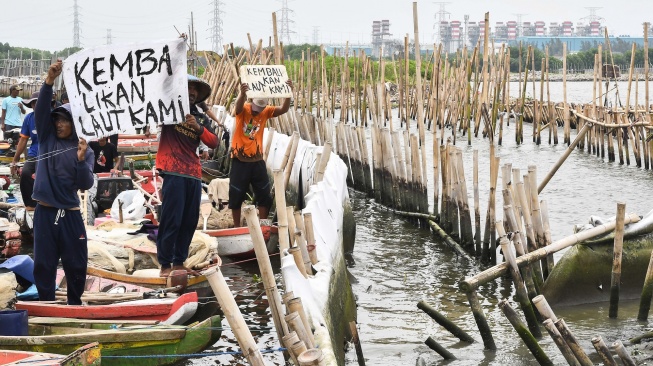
pixel 520 289
pixel 615 283
pixel 524 334
pixel 647 292
pixel 434 345
pixel 267 275
pixel 234 317
pixel 295 305
pixel 444 322
pixel 623 353
pixel 357 344
pixel 572 342
pixel 312 357
pixel 562 345
pixel 603 351
pixel 296 325
pixel 481 320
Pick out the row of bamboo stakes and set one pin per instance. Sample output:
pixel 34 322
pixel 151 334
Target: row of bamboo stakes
pixel 466 97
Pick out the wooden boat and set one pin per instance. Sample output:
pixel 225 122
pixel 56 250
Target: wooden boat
pixel 198 284
pixel 124 345
pixel 167 310
pixel 87 355
pixel 237 243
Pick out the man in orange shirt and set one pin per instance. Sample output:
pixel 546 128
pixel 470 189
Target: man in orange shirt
pixel 247 164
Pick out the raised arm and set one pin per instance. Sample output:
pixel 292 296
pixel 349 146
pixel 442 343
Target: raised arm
pixel 242 96
pixel 84 167
pixel 286 103
pixel 44 125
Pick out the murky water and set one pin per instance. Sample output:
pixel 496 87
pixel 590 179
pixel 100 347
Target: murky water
pixel 397 264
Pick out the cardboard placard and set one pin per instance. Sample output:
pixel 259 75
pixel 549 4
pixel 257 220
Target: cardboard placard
pixel 266 81
pixel 118 88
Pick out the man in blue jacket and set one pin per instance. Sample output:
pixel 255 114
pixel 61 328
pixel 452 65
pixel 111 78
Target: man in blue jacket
pixel 65 165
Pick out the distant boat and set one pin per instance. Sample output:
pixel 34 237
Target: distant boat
pixel 123 345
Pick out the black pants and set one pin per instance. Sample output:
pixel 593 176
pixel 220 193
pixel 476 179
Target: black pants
pixel 180 210
pixel 27 182
pixel 59 234
pixel 241 175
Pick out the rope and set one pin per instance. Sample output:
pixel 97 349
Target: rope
pixel 193 355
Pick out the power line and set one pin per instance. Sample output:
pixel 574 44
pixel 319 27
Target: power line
pixel 76 42
pixel 216 27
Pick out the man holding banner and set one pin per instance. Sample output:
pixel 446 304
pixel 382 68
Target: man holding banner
pixel 182 181
pixel 65 166
pixel 247 164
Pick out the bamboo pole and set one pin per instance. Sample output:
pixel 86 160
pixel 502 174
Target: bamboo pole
pixel 312 357
pixel 297 256
pixel 603 351
pixel 560 342
pixel 524 334
pixel 615 282
pixel 477 209
pixel 297 348
pixel 623 353
pixel 500 269
pixel 267 275
pixel 296 325
pixel 295 305
pixel 420 107
pixel 544 210
pixel 234 317
pixel 444 322
pixel 311 244
pixel 647 292
pixel 481 320
pixel 572 342
pixel 520 289
pixel 282 216
pixel 567 127
pixel 437 347
pixel 564 156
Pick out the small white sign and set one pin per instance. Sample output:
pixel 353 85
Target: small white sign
pixel 118 88
pixel 266 81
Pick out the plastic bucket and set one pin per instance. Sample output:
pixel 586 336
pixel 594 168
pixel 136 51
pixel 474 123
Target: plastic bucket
pixel 13 323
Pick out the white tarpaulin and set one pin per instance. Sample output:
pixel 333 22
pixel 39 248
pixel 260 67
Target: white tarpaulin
pixel 118 88
pixel 266 81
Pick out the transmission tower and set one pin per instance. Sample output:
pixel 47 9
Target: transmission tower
pixel 216 27
pixel 108 36
pixel 593 17
pixel 440 17
pixel 76 42
pixel 520 27
pixel 316 35
pixel 285 32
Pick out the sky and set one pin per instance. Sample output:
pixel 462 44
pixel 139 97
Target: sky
pixel 48 25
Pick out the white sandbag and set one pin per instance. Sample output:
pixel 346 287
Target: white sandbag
pixel 132 207
pixel 8 285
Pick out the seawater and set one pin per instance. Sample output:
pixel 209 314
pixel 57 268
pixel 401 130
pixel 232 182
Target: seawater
pixel 395 264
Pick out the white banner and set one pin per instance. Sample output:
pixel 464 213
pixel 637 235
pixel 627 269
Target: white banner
pixel 118 88
pixel 266 81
